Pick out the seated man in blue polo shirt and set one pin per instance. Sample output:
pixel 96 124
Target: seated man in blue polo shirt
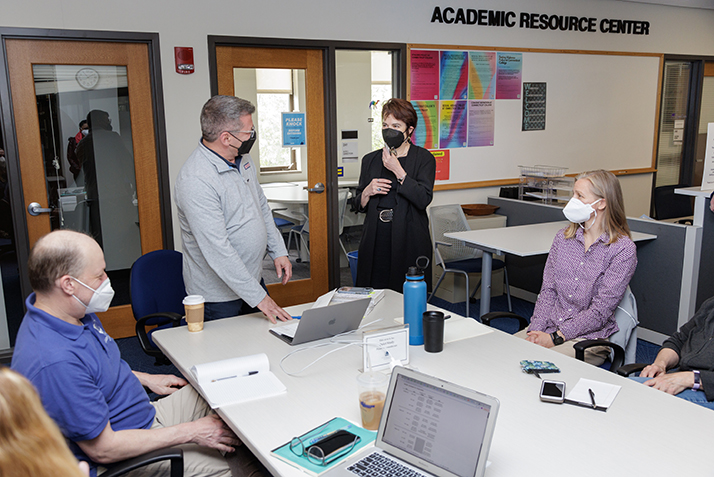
pixel 85 386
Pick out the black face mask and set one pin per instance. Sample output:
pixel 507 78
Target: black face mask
pixel 393 138
pixel 245 146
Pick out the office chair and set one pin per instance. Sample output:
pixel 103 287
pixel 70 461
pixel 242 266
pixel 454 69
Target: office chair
pixel 157 292
pixel 623 344
pixel 174 454
pixel 301 230
pixel 342 196
pixel 668 205
pixel 453 256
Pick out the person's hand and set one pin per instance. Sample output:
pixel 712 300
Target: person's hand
pixel 652 371
pixel 84 467
pixel 391 162
pixel 540 338
pixel 377 187
pixel 163 384
pixel 711 205
pixel 282 264
pixel 211 431
pixel 672 383
pixel 271 310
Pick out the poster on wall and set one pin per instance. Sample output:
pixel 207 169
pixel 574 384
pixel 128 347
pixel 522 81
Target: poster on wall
pixel 426 133
pixel 424 75
pixel 534 106
pixel 508 75
pixel 482 74
pixel 454 75
pixel 708 175
pixel 481 123
pixel 452 124
pixel 442 164
pixel 293 129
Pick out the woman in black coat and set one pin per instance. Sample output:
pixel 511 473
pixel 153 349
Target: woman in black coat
pixel 396 185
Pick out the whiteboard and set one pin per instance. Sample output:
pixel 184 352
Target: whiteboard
pixel 601 114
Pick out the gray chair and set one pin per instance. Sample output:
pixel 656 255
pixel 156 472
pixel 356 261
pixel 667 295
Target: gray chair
pixel 342 196
pixel 454 256
pixel 303 232
pixel 623 344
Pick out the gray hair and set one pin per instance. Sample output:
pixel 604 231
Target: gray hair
pixel 55 255
pixel 223 113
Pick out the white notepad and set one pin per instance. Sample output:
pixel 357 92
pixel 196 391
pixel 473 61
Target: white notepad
pixel 236 380
pixel 605 393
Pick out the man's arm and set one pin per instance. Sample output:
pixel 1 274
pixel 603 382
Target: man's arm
pixel 111 446
pixel 161 384
pixel 666 359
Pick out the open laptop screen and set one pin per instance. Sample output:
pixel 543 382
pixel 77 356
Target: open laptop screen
pixel 441 427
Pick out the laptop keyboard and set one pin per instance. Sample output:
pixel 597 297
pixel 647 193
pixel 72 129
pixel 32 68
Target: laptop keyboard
pixel 377 464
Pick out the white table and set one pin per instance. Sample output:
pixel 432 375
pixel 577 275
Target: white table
pixel 645 432
pixel 521 240
pixel 700 197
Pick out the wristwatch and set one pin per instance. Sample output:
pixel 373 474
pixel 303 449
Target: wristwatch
pixel 697 381
pixel 401 179
pixel 557 339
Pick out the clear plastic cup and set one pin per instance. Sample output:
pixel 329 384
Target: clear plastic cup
pixel 372 387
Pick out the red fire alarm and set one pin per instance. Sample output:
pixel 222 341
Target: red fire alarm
pixel 184 59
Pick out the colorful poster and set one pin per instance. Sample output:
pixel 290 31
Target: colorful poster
pixel 454 75
pixel 452 124
pixel 482 74
pixel 481 123
pixel 293 129
pixel 427 130
pixel 534 106
pixel 442 164
pixel 508 75
pixel 424 74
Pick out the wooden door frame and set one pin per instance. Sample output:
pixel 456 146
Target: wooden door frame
pixel 328 49
pixel 9 131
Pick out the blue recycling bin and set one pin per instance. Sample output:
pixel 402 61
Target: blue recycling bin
pixel 352 257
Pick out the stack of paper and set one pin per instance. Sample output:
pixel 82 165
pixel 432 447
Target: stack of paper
pixel 237 380
pixel 334 296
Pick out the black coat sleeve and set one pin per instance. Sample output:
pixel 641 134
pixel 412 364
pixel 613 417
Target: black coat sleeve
pixel 418 186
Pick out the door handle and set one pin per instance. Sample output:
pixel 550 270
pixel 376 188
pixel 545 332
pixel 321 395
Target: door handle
pixel 318 189
pixel 36 209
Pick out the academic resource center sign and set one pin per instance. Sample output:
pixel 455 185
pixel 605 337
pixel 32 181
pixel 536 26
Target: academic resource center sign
pixel 537 21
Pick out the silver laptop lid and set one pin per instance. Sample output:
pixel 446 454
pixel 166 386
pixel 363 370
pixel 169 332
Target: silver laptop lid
pixel 331 320
pixel 437 426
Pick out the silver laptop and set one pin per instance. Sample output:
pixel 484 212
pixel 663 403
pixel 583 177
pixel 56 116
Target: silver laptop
pixel 430 427
pixel 323 322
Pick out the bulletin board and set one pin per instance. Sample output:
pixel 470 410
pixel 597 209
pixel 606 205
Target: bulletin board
pixel 602 112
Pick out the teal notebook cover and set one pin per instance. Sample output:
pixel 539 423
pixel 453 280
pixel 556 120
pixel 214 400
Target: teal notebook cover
pixel 284 453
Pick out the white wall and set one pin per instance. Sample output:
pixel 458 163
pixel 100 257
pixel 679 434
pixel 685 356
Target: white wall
pixel 672 30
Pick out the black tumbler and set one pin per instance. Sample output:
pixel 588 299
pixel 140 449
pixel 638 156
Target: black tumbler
pixel 433 331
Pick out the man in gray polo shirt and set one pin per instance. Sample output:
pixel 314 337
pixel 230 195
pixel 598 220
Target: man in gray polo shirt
pixel 226 223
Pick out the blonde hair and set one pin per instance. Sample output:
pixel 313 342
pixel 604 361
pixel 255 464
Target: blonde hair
pixel 605 185
pixel 31 444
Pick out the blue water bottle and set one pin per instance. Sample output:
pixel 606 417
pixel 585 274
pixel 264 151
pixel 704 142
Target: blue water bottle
pixel 415 304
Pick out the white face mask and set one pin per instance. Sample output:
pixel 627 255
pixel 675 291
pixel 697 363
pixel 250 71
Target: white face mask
pixel 85 132
pixel 101 298
pixel 577 212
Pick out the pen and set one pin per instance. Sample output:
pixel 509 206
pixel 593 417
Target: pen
pixel 250 373
pixel 592 397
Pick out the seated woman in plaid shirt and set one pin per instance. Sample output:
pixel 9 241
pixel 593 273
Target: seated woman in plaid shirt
pixel 587 272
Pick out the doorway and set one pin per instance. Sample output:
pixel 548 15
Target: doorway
pixel 105 180
pixel 293 175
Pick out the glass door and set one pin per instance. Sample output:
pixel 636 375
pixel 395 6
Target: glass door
pixel 87 152
pixel 287 88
